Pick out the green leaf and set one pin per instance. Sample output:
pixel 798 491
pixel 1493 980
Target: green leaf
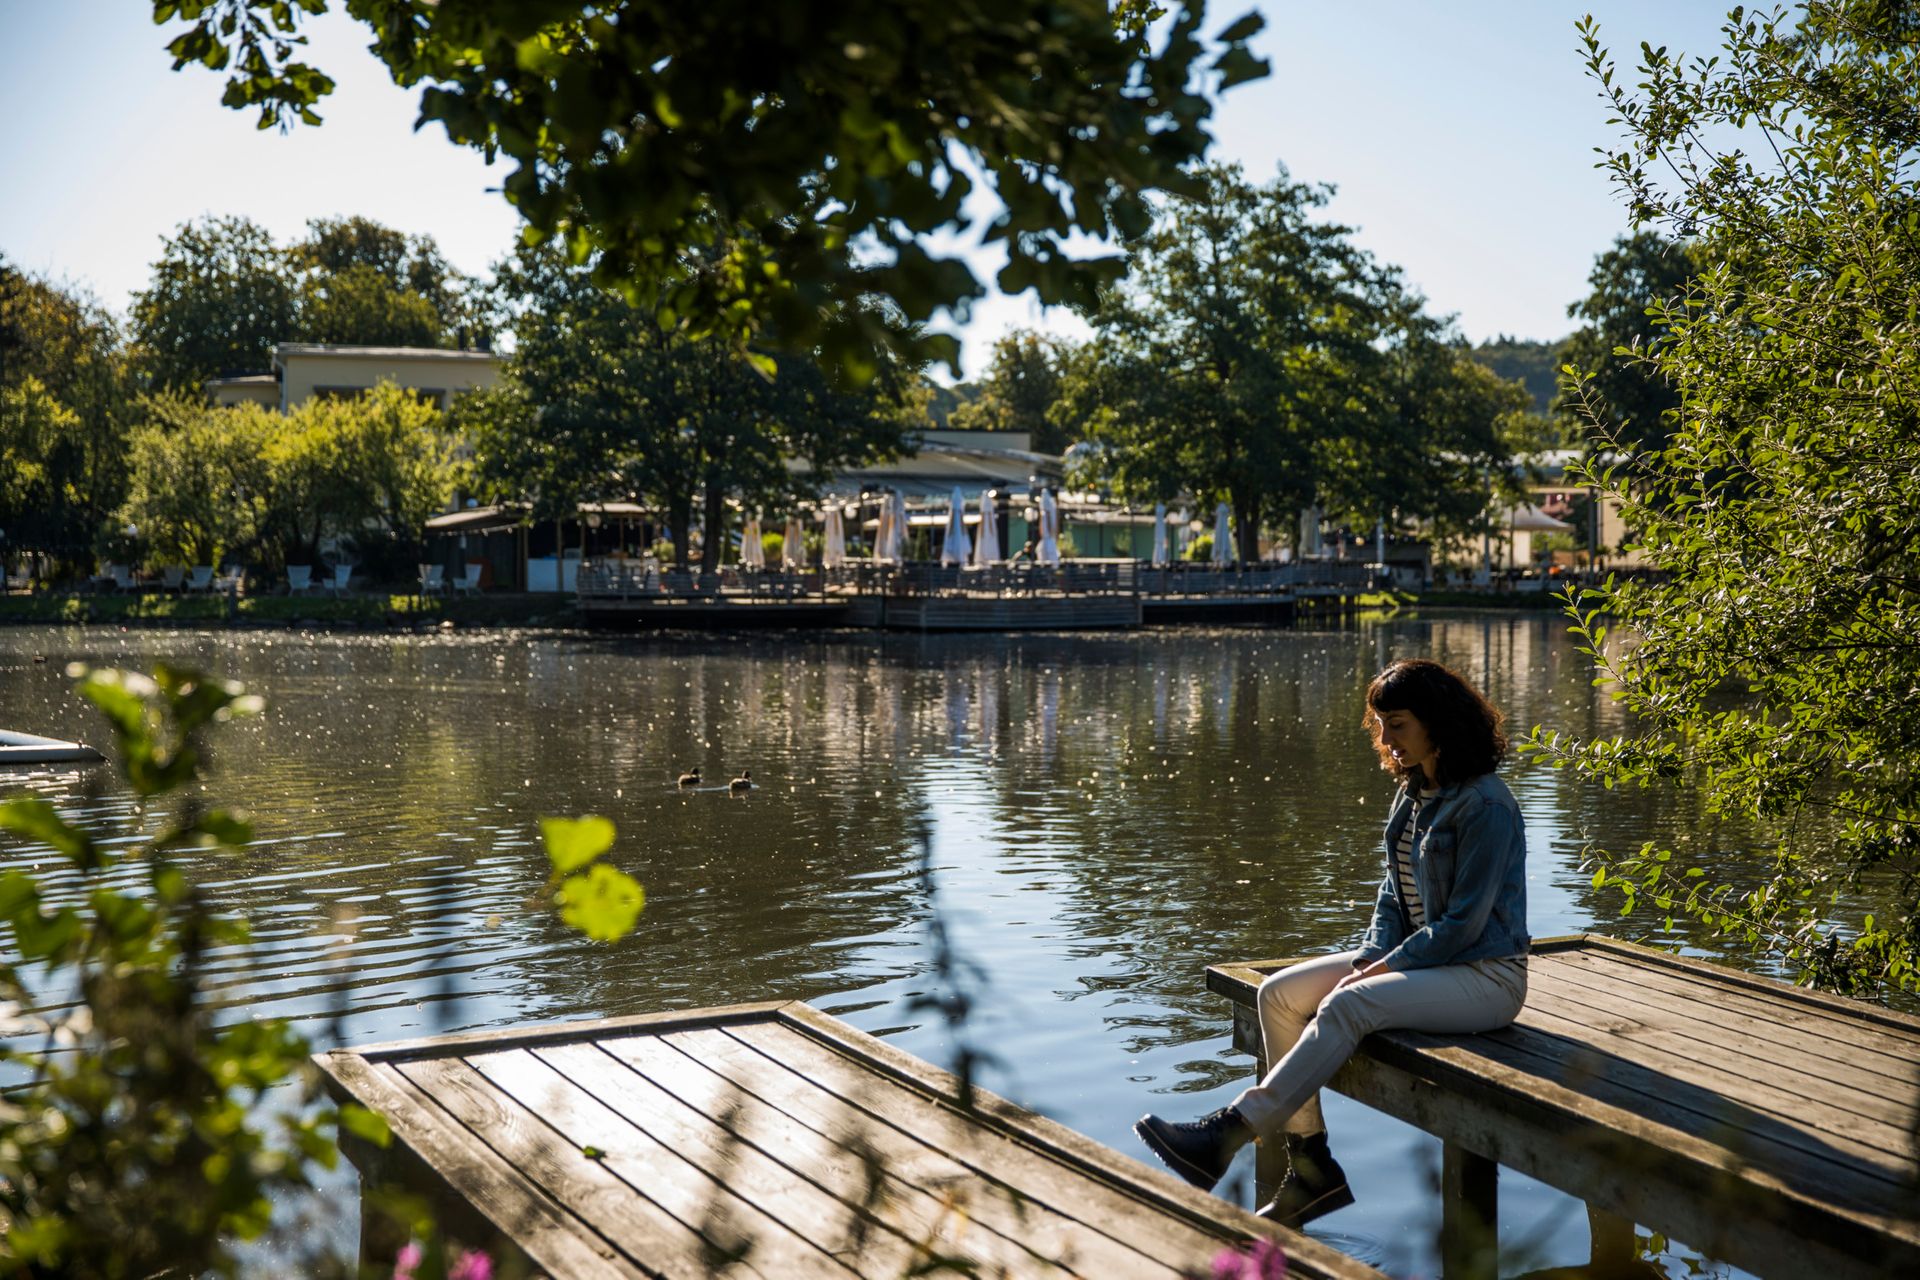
pixel 574 842
pixel 362 1123
pixel 602 903
pixel 37 819
pixel 1244 27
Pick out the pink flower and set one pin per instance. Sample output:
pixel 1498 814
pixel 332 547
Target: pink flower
pixel 403 1266
pixel 1262 1260
pixel 471 1264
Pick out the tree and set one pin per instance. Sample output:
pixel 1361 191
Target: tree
pixel 1530 362
pixel 1629 393
pixel 220 299
pixel 198 487
pixel 370 284
pixel 1776 666
pixel 1434 446
pixel 360 306
pixel 395 459
pixel 61 360
pixel 1228 354
pixel 761 173
pixel 1019 391
pixel 607 404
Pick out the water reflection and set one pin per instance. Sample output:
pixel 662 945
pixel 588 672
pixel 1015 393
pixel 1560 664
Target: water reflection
pixel 1108 816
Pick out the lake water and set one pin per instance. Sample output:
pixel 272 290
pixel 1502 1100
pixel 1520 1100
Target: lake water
pixel 1107 816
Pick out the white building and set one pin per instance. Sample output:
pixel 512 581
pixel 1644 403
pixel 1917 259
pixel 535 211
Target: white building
pixel 303 370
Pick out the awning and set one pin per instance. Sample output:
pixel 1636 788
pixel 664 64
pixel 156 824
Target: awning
pixel 1531 519
pixel 511 515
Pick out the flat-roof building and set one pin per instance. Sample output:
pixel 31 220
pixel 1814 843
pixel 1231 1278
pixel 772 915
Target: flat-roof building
pixel 303 370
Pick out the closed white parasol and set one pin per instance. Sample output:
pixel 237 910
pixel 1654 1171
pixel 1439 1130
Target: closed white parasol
pixel 1222 534
pixel 986 539
pixel 833 543
pixel 955 546
pixel 1049 550
pixel 793 545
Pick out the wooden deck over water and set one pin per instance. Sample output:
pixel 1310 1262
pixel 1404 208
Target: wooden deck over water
pixel 1766 1125
pixel 779 1138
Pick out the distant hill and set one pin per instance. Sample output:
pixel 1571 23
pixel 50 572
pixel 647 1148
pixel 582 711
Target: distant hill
pixel 1531 362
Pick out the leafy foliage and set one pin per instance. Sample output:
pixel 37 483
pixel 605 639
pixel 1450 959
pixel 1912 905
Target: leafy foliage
pixel 223 295
pixel 212 483
pixel 1254 354
pixel 135 1141
pixel 218 300
pixel 1019 391
pixel 603 403
pixel 1626 389
pixel 763 173
pixel 64 394
pixel 133 1144
pixel 1777 665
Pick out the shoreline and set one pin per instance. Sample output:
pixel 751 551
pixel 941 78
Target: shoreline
pixel 403 614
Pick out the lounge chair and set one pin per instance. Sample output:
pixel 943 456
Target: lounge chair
pixel 173 576
pixel 341 574
pixel 299 579
pixel 431 582
pixel 231 579
pixel 200 578
pixel 123 578
pixel 469 579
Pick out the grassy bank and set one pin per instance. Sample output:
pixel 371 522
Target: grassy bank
pixel 365 609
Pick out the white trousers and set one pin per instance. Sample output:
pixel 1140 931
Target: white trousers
pixel 1309 1030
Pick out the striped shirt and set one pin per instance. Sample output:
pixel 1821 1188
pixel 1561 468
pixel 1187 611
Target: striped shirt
pixel 1403 863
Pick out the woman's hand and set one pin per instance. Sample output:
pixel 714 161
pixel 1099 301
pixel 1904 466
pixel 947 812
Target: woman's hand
pixel 1358 975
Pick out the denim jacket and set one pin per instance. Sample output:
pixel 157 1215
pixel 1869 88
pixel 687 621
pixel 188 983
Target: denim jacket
pixel 1470 862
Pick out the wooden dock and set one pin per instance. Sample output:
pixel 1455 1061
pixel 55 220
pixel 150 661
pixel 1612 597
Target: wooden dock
pixel 1075 595
pixel 1765 1125
pixel 764 1140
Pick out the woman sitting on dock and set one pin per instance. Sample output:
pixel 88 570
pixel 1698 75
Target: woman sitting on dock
pixel 1446 951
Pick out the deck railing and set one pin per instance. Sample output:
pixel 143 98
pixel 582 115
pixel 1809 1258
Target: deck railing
pixel 644 579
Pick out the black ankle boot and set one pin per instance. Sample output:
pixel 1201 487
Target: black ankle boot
pixel 1315 1185
pixel 1199 1150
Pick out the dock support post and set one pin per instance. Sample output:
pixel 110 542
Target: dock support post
pixel 1469 1214
pixel 1614 1251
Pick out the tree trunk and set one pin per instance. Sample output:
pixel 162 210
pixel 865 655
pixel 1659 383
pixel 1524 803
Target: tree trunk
pixel 715 529
pixel 680 517
pixel 1246 506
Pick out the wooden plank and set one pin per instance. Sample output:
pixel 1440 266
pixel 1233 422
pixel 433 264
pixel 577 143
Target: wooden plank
pixel 1024 1190
pixel 1638 1108
pixel 713 1202
pixel 932 1157
pixel 1060 1146
pixel 1881 1075
pixel 1903 1024
pixel 1850 1036
pixel 1742 1065
pixel 519 1210
pixel 565 1032
pixel 1709 1208
pixel 599 1200
pixel 657 1079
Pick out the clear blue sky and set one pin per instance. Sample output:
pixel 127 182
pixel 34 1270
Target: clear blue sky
pixel 1460 134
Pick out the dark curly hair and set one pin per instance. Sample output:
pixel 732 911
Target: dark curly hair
pixel 1463 726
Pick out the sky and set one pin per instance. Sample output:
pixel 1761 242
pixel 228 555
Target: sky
pixel 1459 135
